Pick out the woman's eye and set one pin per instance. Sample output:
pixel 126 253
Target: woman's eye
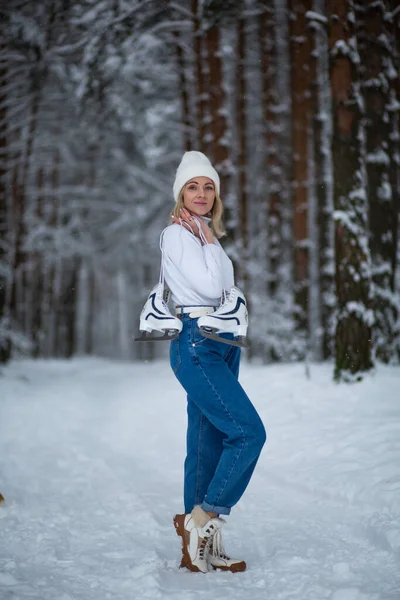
pixel 192 187
pixel 210 189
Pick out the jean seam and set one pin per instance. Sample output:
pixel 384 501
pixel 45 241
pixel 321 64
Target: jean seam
pixel 176 349
pixel 228 352
pixel 198 461
pixel 236 424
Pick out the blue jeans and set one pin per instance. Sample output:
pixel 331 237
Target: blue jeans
pixel 225 434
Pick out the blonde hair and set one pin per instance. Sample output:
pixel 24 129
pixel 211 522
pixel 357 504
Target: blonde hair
pixel 217 226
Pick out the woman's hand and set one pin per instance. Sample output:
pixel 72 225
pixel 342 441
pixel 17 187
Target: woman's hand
pixel 189 223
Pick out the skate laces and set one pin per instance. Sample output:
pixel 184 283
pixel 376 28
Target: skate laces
pixel 202 238
pixel 161 278
pixel 201 234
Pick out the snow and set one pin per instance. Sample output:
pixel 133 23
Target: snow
pixel 312 15
pixel 91 456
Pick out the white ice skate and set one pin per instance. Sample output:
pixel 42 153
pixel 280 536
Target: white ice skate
pixel 230 317
pixel 156 316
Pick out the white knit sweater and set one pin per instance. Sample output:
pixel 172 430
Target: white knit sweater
pixel 195 274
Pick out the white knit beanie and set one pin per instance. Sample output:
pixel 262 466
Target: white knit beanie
pixel 194 164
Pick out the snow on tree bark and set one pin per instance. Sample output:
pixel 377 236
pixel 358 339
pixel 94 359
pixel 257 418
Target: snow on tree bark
pixel 218 127
pixel 201 98
pixel 183 89
pixel 5 275
pixel 353 263
pixel 376 69
pixel 393 23
pixel 323 181
pixel 300 78
pixel 243 274
pixel 270 103
pixel 280 339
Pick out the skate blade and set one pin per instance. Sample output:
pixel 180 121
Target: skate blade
pixel 147 337
pixel 212 335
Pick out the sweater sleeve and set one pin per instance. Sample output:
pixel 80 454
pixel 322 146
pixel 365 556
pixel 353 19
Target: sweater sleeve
pixel 199 265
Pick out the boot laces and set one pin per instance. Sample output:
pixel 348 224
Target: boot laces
pixel 207 541
pixel 217 548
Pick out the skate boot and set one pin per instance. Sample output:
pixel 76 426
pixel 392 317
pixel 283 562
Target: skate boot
pixel 218 559
pixel 197 531
pixel 230 317
pixel 156 316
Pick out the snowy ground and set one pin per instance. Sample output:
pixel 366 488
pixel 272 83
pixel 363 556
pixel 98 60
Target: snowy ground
pixel 91 458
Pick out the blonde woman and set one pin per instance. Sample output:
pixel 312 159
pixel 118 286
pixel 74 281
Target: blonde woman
pixel 225 434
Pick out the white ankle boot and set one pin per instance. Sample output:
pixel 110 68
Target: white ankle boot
pixel 218 559
pixel 197 531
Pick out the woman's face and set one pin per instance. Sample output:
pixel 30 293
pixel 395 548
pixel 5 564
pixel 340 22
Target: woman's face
pixel 199 195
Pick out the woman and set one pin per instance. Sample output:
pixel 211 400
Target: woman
pixel 225 435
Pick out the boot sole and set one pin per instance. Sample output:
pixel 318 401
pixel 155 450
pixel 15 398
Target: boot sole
pixel 237 568
pixel 180 532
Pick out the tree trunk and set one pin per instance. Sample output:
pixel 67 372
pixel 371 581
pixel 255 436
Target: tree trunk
pixel 374 45
pixel 272 201
pixel 18 258
pixel 218 145
pixel 21 308
pixel 36 278
pixel 218 124
pixel 394 140
pixel 80 334
pixel 183 92
pixel 70 311
pixel 394 155
pixel 323 180
pixel 5 345
pixel 57 341
pixel 241 156
pixel 200 66
pixel 274 168
pixel 300 76
pixel 353 263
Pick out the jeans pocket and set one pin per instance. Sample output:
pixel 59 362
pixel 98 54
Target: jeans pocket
pixel 196 337
pixel 175 355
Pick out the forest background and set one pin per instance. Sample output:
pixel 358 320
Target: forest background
pixel 295 102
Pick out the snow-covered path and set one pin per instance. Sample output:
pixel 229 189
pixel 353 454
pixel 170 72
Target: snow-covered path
pixel 91 458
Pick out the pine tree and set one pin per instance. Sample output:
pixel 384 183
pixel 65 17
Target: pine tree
pixel 323 235
pixel 277 338
pixel 218 136
pixel 242 156
pixel 301 105
pixel 183 90
pixel 201 96
pixel 376 70
pixel 353 262
pixel 5 344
